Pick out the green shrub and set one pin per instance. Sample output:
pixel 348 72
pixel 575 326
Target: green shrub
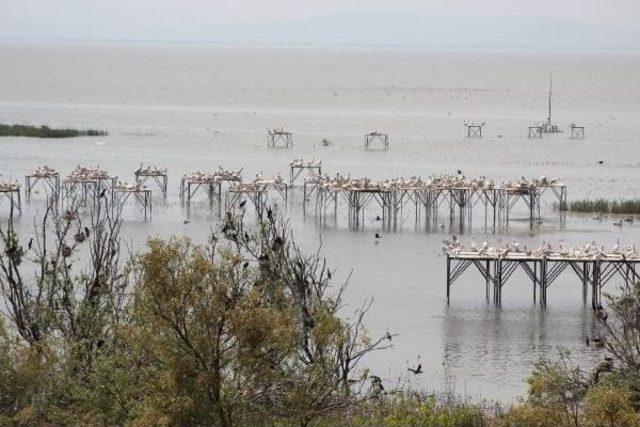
pixel 46 132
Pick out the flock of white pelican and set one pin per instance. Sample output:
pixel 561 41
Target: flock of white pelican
pixel 260 183
pixel 82 173
pixel 44 171
pixel 150 171
pixel 525 184
pixel 442 182
pixel 213 177
pixel 9 186
pixel 513 250
pixel 129 188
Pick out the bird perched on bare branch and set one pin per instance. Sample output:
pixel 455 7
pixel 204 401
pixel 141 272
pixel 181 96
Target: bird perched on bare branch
pixel 417 370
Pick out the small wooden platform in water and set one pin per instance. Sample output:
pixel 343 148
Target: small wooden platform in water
pixel 594 270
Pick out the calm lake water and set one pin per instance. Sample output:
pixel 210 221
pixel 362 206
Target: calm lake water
pixel 193 108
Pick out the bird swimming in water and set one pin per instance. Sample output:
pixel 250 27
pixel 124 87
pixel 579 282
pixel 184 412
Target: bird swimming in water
pixel 378 236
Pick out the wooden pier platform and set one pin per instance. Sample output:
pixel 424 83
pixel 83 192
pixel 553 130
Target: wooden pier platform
pixel 49 177
pixel 594 268
pixel 10 191
pixel 458 196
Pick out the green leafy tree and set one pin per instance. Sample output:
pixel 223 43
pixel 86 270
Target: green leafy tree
pixel 608 406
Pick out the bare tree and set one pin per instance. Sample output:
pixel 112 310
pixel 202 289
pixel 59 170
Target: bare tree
pixel 330 347
pixel 66 279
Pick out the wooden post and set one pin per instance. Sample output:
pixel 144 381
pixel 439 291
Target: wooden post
pixel 448 277
pixel 487 288
pixel 543 283
pixel 585 275
pixel 535 280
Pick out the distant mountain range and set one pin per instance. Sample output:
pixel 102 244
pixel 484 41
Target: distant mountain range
pixel 353 29
pixel 412 29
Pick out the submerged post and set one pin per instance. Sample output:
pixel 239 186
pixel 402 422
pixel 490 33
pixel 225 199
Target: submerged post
pixel 577 132
pixel 279 138
pixel 535 132
pixel 448 277
pixel 474 130
pixel 377 140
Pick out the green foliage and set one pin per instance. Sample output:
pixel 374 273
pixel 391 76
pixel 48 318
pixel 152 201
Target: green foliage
pixel 46 132
pixel 410 409
pixel 610 406
pixel 558 385
pixel 526 414
pixel 241 330
pixel 623 206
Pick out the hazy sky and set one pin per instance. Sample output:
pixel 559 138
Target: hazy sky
pixel 84 18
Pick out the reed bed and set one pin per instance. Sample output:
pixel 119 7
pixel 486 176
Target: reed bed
pixel 46 132
pixel 604 206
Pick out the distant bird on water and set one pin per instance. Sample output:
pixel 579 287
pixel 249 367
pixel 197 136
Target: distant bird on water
pixel 378 236
pixel 185 222
pixel 601 162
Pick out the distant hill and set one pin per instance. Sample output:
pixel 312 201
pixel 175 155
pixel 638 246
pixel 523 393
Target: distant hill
pixel 411 29
pixel 353 28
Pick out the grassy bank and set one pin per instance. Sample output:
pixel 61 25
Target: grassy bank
pixel 46 132
pixel 622 206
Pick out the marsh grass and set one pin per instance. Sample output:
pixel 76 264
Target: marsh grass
pixel 626 206
pixel 46 132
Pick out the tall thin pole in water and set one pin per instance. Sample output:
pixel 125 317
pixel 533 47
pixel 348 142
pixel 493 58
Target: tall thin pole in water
pixel 550 90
